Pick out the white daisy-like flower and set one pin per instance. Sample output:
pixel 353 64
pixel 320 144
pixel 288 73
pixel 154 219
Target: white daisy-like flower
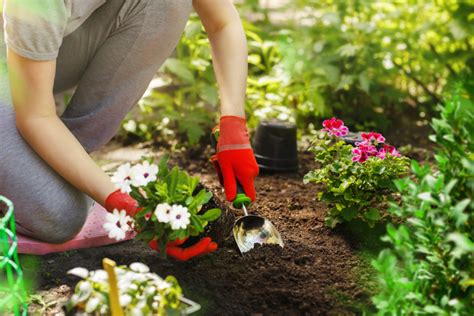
pixel 92 304
pixel 163 212
pixel 139 267
pixel 150 290
pixel 144 173
pixel 99 276
pixel 179 217
pixel 163 285
pixel 125 299
pixel 122 178
pixel 117 224
pixel 80 272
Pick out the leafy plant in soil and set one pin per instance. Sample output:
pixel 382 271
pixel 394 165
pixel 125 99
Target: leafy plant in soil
pixel 429 267
pixel 141 292
pixel 170 205
pixel 357 181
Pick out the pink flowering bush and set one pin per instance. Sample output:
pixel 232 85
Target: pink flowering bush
pixel 335 127
pixel 357 181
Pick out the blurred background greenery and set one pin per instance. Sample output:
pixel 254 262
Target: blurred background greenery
pixel 378 65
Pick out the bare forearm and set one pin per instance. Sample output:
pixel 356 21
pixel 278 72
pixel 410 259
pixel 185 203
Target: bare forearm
pixel 229 52
pixel 51 139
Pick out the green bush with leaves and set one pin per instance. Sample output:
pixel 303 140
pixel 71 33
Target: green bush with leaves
pixel 429 267
pixel 352 189
pixel 173 188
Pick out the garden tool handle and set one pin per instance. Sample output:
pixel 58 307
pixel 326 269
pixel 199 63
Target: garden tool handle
pixel 241 199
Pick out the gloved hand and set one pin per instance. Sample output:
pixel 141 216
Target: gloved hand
pixel 122 201
pixel 235 157
pixel 202 247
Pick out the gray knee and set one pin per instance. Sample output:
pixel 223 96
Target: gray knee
pixel 63 220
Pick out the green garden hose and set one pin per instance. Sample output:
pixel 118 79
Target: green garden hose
pixel 12 289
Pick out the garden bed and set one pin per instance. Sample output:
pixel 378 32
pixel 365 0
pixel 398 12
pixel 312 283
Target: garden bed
pixel 320 271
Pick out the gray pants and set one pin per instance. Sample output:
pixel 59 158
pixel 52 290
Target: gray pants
pixel 110 60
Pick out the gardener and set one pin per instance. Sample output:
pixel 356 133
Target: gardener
pixel 109 51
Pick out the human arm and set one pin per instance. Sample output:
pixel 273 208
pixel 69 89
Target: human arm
pixel 229 53
pixel 31 85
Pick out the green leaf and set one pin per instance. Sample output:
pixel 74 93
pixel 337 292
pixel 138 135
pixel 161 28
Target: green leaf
pixel 196 222
pixel 373 214
pixel 146 235
pixel 210 215
pixel 349 213
pixel 179 68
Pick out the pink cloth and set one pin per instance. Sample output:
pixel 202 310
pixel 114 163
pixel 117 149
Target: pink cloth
pixel 91 235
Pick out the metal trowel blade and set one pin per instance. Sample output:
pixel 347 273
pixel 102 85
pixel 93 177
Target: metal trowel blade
pixel 252 229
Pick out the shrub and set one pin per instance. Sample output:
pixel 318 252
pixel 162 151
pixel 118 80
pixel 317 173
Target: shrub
pixel 429 267
pixel 357 182
pixel 171 208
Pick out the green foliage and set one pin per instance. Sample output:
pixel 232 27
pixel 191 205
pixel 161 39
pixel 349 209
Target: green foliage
pixel 141 292
pixel 172 187
pixel 429 268
pixel 368 60
pixel 353 189
pixel 182 105
pixel 379 56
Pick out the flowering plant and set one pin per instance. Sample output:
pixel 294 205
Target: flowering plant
pixel 141 292
pixel 358 181
pixel 171 207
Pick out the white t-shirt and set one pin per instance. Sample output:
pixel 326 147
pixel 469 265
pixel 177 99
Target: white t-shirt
pixel 35 28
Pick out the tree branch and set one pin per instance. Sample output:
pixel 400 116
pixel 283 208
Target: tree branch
pixel 451 70
pixel 418 82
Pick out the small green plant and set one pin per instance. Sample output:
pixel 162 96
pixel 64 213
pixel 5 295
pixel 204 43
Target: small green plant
pixel 429 267
pixel 141 292
pixel 358 182
pixel 170 207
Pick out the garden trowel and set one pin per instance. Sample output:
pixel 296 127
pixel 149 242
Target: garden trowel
pixel 252 229
pixel 248 230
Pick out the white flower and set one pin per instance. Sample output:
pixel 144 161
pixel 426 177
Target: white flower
pixel 155 306
pixel 99 276
pixel 163 212
pixel 117 224
pixel 139 267
pixel 92 304
pixel 163 285
pixel 179 217
pixel 122 178
pixel 150 290
pixel 142 174
pixel 80 272
pixel 125 299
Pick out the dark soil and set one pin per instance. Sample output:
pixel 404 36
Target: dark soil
pixel 318 272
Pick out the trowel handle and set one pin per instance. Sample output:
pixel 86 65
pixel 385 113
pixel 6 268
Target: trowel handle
pixel 241 198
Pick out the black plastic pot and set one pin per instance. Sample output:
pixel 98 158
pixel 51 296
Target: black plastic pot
pixel 352 138
pixel 275 146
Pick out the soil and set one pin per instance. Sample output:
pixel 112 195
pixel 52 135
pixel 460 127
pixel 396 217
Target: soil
pixel 318 272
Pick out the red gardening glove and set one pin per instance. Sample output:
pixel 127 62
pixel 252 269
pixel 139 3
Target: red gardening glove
pixel 122 201
pixel 202 247
pixel 236 158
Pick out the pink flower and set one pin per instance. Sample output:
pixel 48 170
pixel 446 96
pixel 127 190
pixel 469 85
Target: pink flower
pixel 371 150
pixel 148 215
pixel 381 154
pixel 391 150
pixel 364 151
pixel 335 127
pixel 372 136
pixel 359 155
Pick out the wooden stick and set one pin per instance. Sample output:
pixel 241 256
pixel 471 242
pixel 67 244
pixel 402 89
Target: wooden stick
pixel 109 266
